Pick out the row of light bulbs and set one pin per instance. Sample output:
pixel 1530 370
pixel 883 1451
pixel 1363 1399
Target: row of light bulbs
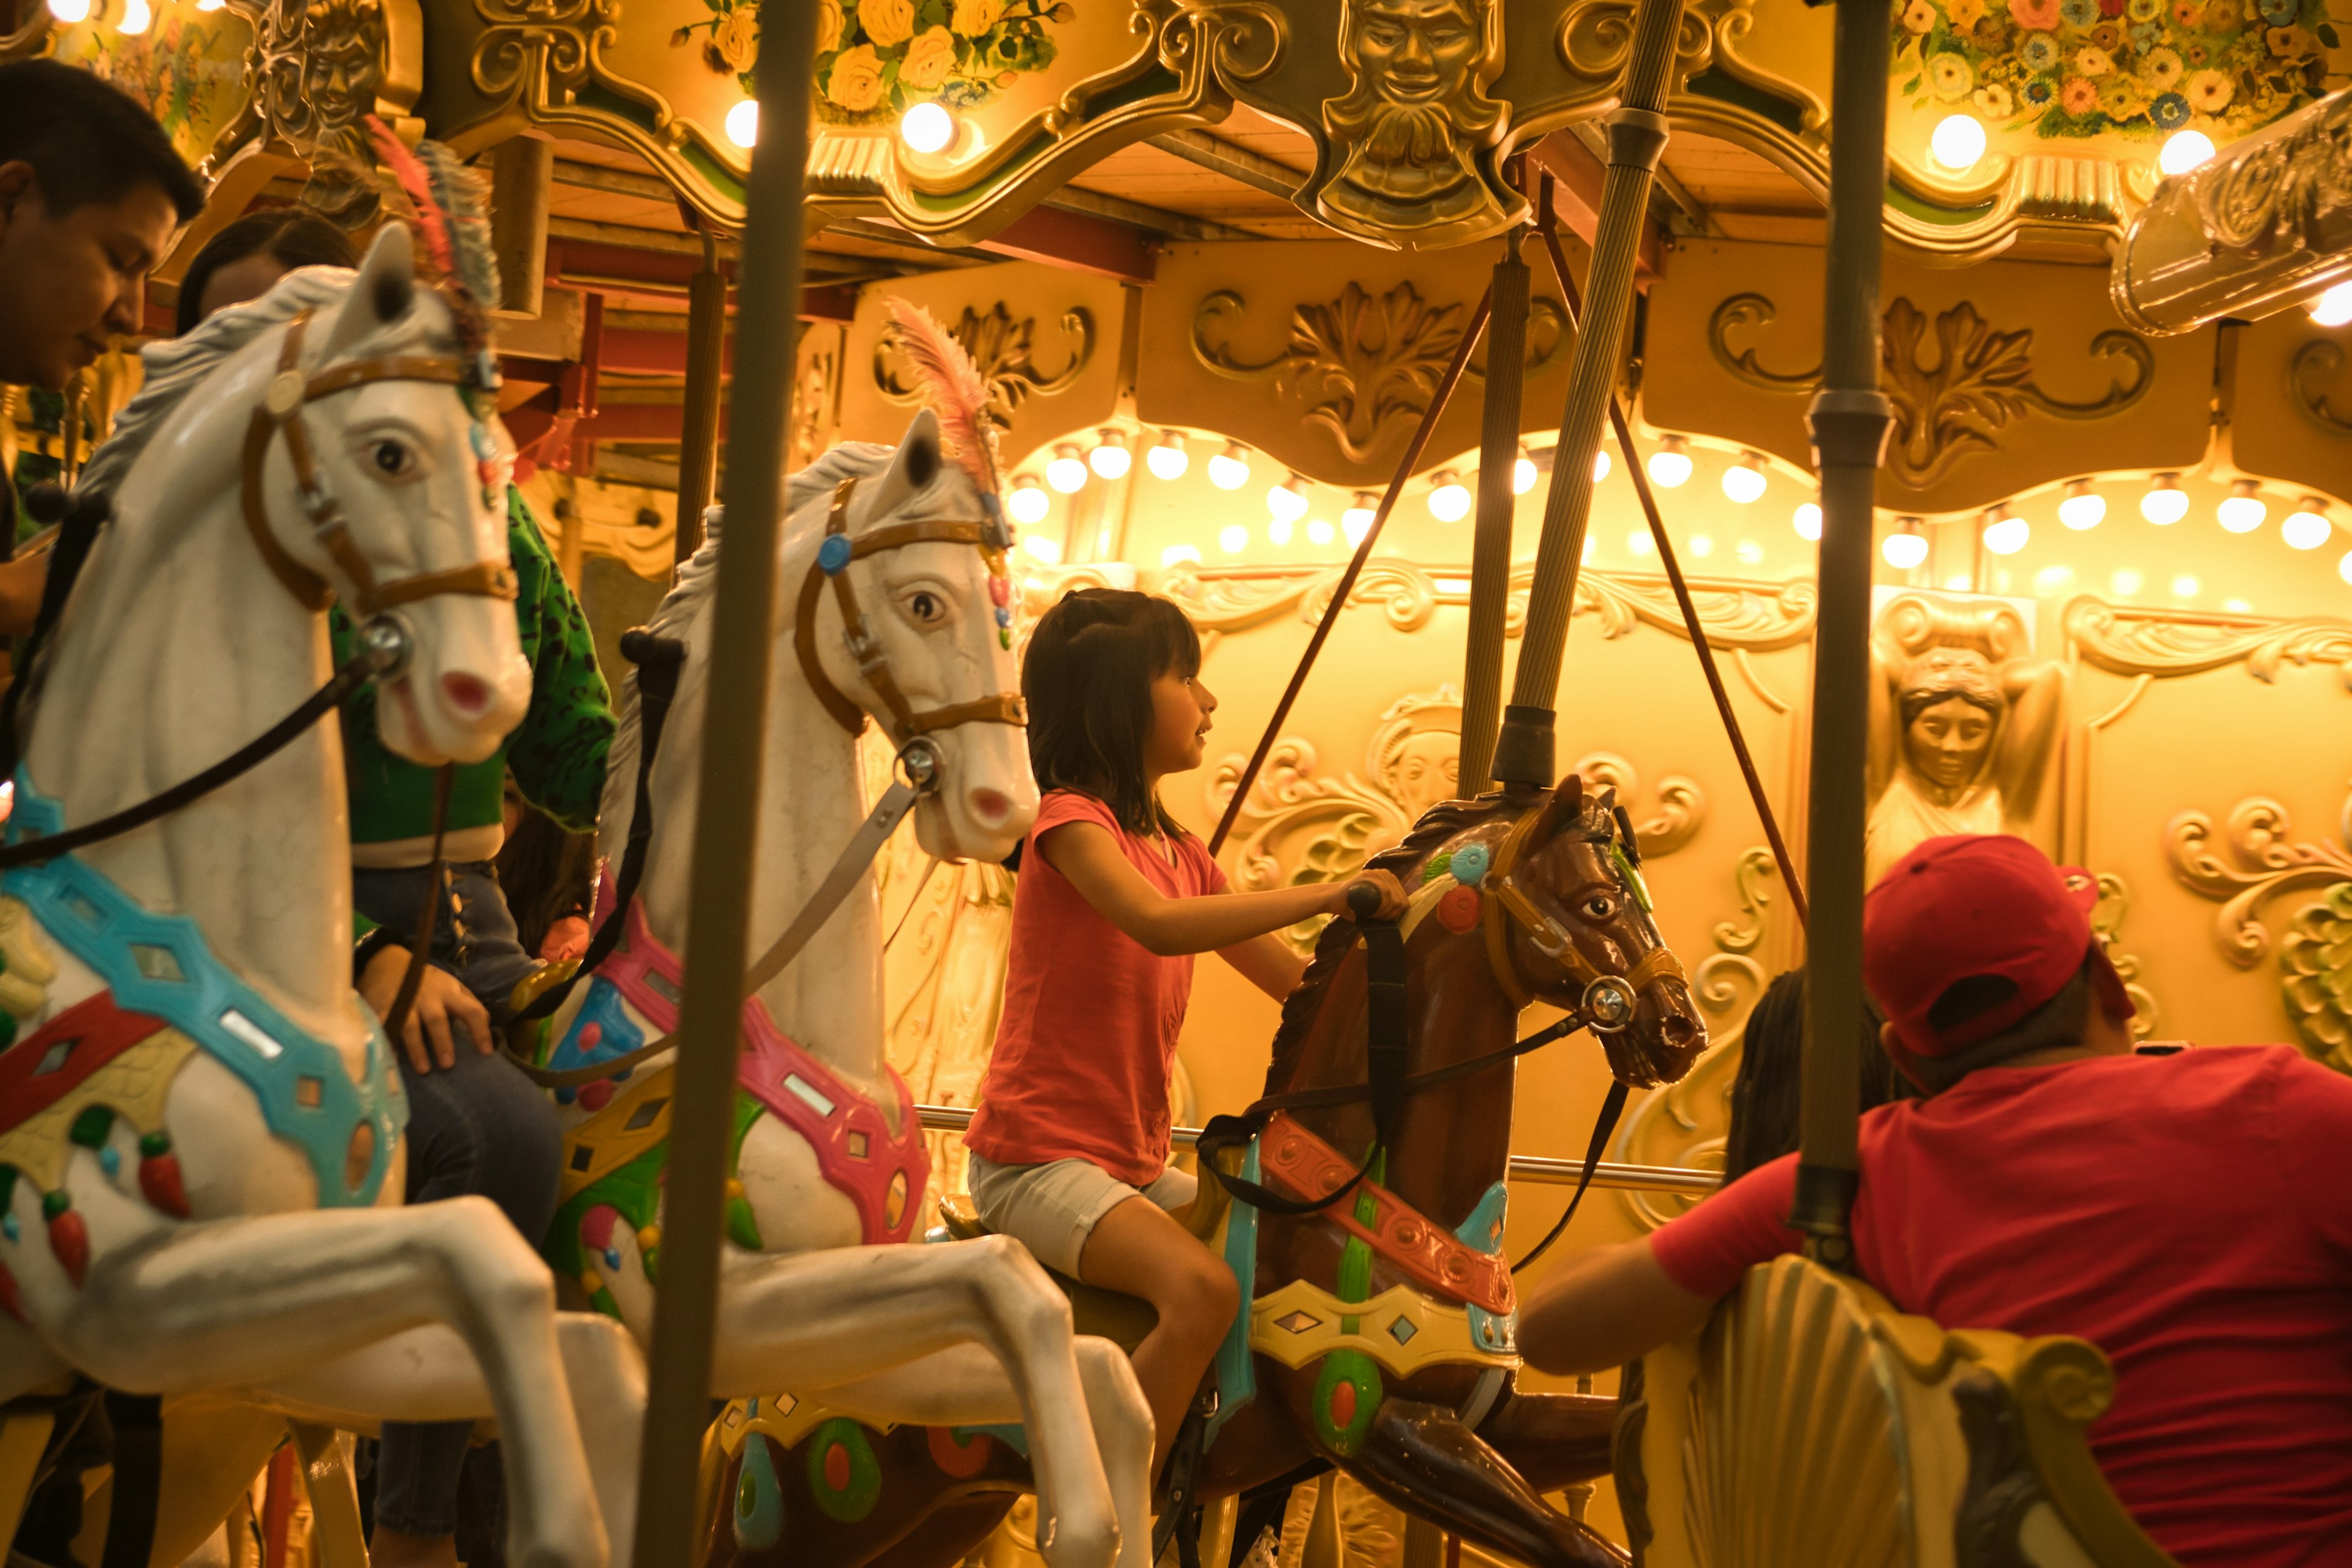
pixel 1957 144
pixel 2004 532
pixel 136 18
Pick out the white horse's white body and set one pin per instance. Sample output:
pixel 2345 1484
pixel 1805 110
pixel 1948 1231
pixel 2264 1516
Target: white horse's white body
pixel 969 1333
pixel 179 646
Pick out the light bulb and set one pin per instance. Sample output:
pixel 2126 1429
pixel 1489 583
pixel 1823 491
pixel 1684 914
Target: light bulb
pixel 1068 471
pixel 2126 581
pixel 1744 481
pixel 2165 503
pixel 1639 542
pixel 2185 586
pixel 1046 549
pixel 1523 474
pixel 927 127
pixel 1904 550
pixel 1180 555
pixel 1229 469
pixel 1958 143
pixel 1749 551
pixel 1701 545
pixel 1287 502
pixel 1028 502
pixel 2082 508
pixel 2344 567
pixel 742 121
pixel 2332 309
pixel 135 17
pixel 1111 458
pixel 2005 533
pixel 2183 150
pixel 1278 530
pixel 1356 520
pixel 1319 531
pixel 1449 498
pixel 2307 527
pixel 2242 510
pixel 1232 539
pixel 1600 464
pixel 1167 460
pixel 1670 465
pixel 1807 521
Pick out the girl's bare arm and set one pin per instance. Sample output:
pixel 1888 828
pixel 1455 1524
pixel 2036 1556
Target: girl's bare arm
pixel 1090 858
pixel 1269 963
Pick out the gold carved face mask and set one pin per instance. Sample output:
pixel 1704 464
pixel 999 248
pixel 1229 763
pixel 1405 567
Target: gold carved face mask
pixel 1416 119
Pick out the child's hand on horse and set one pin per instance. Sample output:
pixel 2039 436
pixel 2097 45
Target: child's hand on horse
pixel 1394 897
pixel 441 999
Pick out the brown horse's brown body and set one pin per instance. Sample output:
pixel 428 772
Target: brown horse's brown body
pixel 1450 1145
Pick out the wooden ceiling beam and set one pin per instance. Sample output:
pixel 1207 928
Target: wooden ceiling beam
pixel 1235 162
pixel 1577 178
pixel 1076 242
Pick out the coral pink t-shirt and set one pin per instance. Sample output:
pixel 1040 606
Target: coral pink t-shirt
pixel 1089 1035
pixel 2191 1216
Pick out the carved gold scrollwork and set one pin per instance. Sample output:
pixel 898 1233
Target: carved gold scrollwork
pixel 1979 380
pixel 539 50
pixel 2281 192
pixel 1595 35
pixel 2107 925
pixel 1221 39
pixel 2315 964
pixel 2166 643
pixel 2259 838
pixel 2314 366
pixel 319 68
pixel 1361 363
pixel 1000 349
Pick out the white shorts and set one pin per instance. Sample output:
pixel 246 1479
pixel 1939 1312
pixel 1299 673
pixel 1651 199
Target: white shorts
pixel 1052 1208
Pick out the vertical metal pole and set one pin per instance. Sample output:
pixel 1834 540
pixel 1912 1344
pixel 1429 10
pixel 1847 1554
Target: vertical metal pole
pixel 1637 134
pixel 677 1406
pixel 523 172
pixel 1490 549
pixel 706 358
pixel 1850 418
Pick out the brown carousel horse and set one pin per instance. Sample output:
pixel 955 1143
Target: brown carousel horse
pixel 1378 1336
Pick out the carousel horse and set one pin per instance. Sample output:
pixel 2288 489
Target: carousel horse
pixel 1377 1332
pixel 200 1122
pixel 896 602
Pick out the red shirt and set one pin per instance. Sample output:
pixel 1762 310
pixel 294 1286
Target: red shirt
pixel 1087 1039
pixel 2191 1216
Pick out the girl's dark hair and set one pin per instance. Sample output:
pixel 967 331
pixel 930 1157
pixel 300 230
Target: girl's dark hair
pixel 1088 679
pixel 546 874
pixel 292 236
pixel 1765 1096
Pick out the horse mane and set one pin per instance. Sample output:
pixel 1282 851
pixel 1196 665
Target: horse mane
pixel 1439 823
pixel 176 365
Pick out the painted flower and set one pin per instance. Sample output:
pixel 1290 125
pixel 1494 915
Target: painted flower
pixel 1994 99
pixel 2161 71
pixel 2209 92
pixel 2107 36
pixel 2035 16
pixel 828 25
pixel 2143 10
pixel 888 22
pixel 2289 42
pixel 1951 76
pixel 736 40
pixel 2080 14
pixel 2279 13
pixel 1992 35
pixel 2224 15
pixel 2039 93
pixel 2188 14
pixel 2078 96
pixel 974 17
pixel 1919 16
pixel 856 81
pixel 928 59
pixel 2093 63
pixel 2144 36
pixel 2040 52
pixel 2120 97
pixel 1964 15
pixel 2195 54
pixel 2169 111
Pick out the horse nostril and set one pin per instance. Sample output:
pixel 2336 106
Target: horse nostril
pixel 989 806
pixel 467 693
pixel 1678 1030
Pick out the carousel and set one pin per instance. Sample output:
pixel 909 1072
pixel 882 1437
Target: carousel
pixel 1700 450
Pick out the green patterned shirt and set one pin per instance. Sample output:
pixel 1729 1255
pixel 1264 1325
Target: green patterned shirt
pixel 557 752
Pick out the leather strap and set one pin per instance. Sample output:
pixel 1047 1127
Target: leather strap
pixel 309 590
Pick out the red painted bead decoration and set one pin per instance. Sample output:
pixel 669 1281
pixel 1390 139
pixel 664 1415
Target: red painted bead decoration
pixel 961 1460
pixel 836 1468
pixel 69 1239
pixel 8 1301
pixel 160 1184
pixel 1343 1404
pixel 596 1096
pixel 1457 910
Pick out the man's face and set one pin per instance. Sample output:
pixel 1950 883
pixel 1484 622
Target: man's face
pixel 69 283
pixel 1418 51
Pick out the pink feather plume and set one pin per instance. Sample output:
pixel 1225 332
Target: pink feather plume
pixel 958 393
pixel 416 183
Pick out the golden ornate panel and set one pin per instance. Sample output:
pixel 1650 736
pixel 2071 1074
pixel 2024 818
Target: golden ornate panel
pixel 2290 401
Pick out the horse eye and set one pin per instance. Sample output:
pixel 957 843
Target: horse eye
pixel 924 607
pixel 392 459
pixel 1598 906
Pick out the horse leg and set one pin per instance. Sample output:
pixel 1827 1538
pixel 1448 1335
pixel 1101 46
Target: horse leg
pixel 819 1319
pixel 1553 1440
pixel 1422 1459
pixel 248 1300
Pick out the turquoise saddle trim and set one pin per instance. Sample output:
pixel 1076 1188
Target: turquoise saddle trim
pixel 1496 1332
pixel 1236 1367
pixel 159 965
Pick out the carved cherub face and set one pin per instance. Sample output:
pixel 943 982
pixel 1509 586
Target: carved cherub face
pixel 1426 770
pixel 342 46
pixel 1417 51
pixel 1948 740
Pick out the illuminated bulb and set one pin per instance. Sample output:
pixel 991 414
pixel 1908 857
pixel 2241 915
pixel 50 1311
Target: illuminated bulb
pixel 1600 465
pixel 1670 465
pixel 927 127
pixel 2004 534
pixel 1028 502
pixel 135 17
pixel 1807 521
pixel 1701 545
pixel 742 121
pixel 2082 508
pixel 211 4
pixel 1046 549
pixel 1749 551
pixel 1278 530
pixel 2183 150
pixel 1111 458
pixel 1229 469
pixel 2185 586
pixel 1744 481
pixel 1958 143
pixel 1356 520
pixel 2051 579
pixel 2344 567
pixel 1449 498
pixel 1232 539
pixel 2242 510
pixel 2165 503
pixel 1288 501
pixel 2237 607
pixel 1523 474
pixel 2332 309
pixel 1167 460
pixel 2307 527
pixel 1639 542
pixel 2126 581
pixel 1068 471
pixel 1180 555
pixel 70 11
pixel 1319 531
pixel 1906 549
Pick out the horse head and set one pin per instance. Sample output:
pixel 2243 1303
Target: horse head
pixel 908 620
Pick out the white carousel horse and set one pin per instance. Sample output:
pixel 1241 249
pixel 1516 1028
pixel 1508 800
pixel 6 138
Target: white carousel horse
pixel 830 1163
pixel 200 1124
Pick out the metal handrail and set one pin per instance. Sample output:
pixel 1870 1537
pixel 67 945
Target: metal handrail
pixel 1524 1167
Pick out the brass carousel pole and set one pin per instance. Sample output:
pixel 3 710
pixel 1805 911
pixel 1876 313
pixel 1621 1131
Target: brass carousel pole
pixel 706 356
pixel 1850 417
pixel 1490 549
pixel 1637 134
pixel 677 1406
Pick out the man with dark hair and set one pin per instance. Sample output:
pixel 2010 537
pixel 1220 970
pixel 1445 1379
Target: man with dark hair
pixel 2185 1213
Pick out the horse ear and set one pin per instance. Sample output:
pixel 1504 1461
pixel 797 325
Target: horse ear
pixel 384 289
pixel 1570 793
pixel 914 469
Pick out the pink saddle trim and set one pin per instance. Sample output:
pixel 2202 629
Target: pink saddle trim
pixel 883 1175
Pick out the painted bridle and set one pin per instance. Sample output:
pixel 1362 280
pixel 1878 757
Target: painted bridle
pixel 990 537
pixel 1608 1000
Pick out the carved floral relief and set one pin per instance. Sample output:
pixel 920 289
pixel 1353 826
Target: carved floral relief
pixel 2310 375
pixel 1002 349
pixel 2126 639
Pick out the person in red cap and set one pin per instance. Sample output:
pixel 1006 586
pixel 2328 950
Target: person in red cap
pixel 2186 1213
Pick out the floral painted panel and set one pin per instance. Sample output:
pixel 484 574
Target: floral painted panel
pixel 875 58
pixel 2084 68
pixel 185 66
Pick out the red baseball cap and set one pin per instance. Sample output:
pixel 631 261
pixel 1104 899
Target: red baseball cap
pixel 1973 905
